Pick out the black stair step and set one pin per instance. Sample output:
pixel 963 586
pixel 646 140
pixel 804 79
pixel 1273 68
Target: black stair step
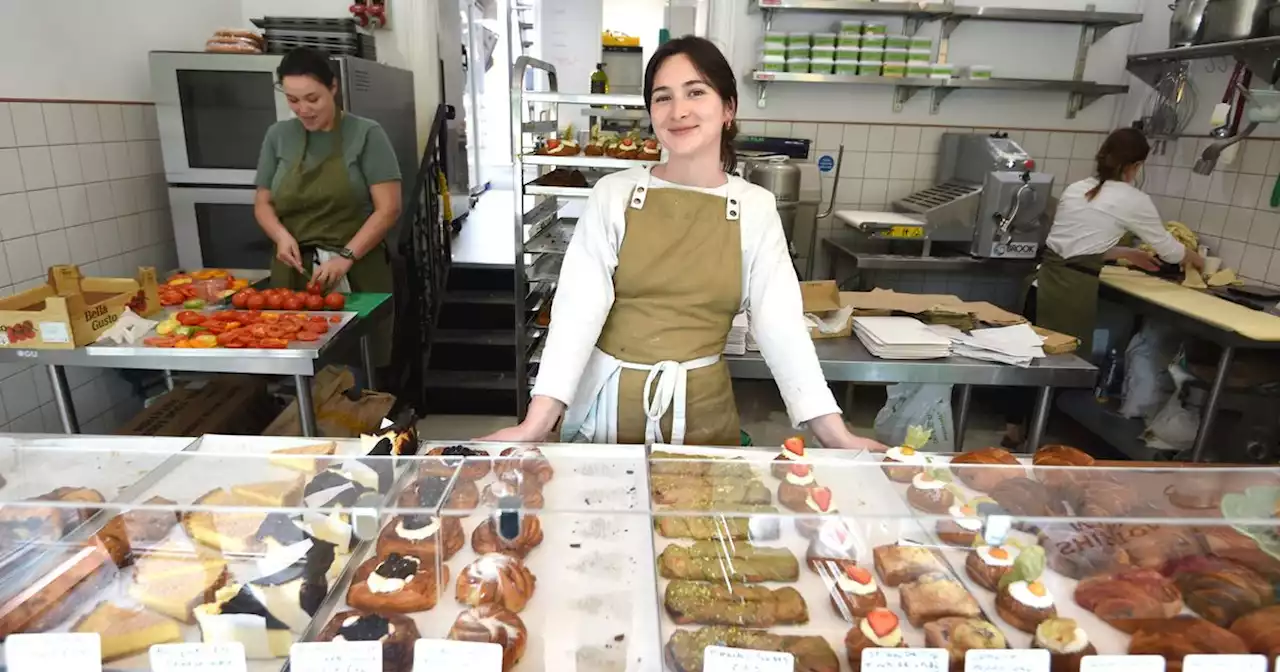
pixel 466 401
pixel 504 297
pixel 472 380
pixel 470 357
pixel 461 336
pixel 480 277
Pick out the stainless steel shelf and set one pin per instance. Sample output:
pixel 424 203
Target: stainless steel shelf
pixel 618 113
pixel 940 10
pixel 561 192
pixel 595 99
pixel 552 239
pixel 582 161
pixel 1259 54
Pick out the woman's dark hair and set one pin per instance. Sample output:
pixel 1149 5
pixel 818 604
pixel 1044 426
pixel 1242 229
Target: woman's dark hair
pixel 713 67
pixel 309 62
pixel 1123 148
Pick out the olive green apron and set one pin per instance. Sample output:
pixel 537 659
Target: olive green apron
pixel 1067 296
pixel 677 287
pixel 319 208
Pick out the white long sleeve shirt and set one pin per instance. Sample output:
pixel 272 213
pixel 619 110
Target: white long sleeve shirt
pixel 770 291
pixel 1084 227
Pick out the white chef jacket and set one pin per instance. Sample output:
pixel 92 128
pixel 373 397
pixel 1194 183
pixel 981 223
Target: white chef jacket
pixel 770 292
pixel 1084 227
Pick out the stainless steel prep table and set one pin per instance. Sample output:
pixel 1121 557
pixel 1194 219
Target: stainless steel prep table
pixel 300 360
pixel 847 360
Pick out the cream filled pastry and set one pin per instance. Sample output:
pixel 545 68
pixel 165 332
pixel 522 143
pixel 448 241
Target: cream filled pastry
pixel 1022 600
pixel 817 503
pixel 800 475
pixel 395 584
pixel 1031 593
pixel 792 451
pixel 857 580
pixel 880 628
pixel 1075 642
pixel 997 556
pixel 965 517
pixel 929 493
pixel 987 565
pixel 926 481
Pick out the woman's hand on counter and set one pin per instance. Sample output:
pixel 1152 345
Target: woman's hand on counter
pixel 1193 259
pixel 287 251
pixel 332 271
pixel 833 433
pixel 539 419
pixel 1138 258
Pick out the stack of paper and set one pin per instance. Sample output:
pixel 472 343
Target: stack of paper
pixel 1017 345
pixel 736 344
pixel 900 338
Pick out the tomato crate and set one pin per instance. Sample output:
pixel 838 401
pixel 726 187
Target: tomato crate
pixel 71 310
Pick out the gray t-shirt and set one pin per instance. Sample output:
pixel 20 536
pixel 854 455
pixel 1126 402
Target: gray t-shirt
pixel 365 149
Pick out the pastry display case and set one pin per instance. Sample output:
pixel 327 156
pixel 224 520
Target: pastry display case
pixel 574 557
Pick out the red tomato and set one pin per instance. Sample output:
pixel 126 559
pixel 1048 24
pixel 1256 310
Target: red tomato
pixel 234 344
pixel 314 287
pixel 335 319
pixel 316 327
pixel 226 338
pixel 240 299
pixel 294 302
pixel 308 336
pixel 189 318
pixel 258 331
pixel 335 301
pixel 256 302
pixel 315 302
pixel 275 301
pixel 225 316
pixel 160 341
pixel 273 343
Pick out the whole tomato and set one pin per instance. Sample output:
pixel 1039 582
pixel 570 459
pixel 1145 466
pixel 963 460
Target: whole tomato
pixel 275 301
pixel 335 301
pixel 189 318
pixel 315 302
pixel 240 299
pixel 256 302
pixel 294 302
pixel 314 287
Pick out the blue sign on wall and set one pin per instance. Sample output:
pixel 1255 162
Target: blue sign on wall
pixel 826 163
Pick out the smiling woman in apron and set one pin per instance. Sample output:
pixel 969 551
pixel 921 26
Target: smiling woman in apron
pixel 1093 215
pixel 661 260
pixel 328 191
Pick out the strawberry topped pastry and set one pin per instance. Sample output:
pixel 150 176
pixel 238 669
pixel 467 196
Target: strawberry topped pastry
pixel 880 628
pixel 834 542
pixel 904 462
pixel 793 492
pixel 628 148
pixel 818 506
pixel 930 492
pixel 1022 600
pixel 650 151
pixel 854 592
pixel 595 145
pixel 792 451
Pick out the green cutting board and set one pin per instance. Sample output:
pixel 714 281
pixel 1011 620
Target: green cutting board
pixel 363 303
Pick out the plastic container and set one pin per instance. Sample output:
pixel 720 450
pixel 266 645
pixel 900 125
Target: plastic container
pixel 773 49
pixel 870 68
pixel 773 63
pixel 797 64
pixel 798 51
pixel 821 67
pixel 896 55
pixel 942 71
pixel 804 39
pixel 847 67
pixel 823 53
pixel 850 27
pixel 824 39
pixel 897 42
pixel 873 42
pixel 921 43
pixel 849 41
pixel 849 53
pixel 920 56
pixel 919 70
pixel 979 72
pixel 775 37
pixel 894 70
pixel 873 28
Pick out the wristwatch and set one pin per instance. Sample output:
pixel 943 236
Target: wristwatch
pixel 347 254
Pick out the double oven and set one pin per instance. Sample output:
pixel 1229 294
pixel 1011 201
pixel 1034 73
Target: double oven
pixel 213 111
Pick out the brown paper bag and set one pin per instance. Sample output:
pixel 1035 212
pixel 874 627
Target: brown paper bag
pixel 336 415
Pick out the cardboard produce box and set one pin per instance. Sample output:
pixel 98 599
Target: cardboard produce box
pixel 225 404
pixel 826 312
pixel 71 310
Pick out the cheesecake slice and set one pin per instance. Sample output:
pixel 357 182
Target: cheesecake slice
pixel 230 531
pixel 308 459
pixel 238 613
pixel 173 559
pixel 126 632
pixel 272 493
pixel 176 594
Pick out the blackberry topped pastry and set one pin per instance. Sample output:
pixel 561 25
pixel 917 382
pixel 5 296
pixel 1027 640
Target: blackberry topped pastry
pixel 475 463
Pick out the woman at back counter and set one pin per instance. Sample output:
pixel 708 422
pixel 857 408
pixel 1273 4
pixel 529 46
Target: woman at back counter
pixel 661 261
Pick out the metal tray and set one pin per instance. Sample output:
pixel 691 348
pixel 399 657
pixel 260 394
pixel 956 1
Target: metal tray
pixel 552 239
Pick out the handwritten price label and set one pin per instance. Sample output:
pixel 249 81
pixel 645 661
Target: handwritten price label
pixel 1212 662
pixel 724 659
pixel 905 660
pixel 1122 664
pixel 227 656
pixel 80 652
pixel 446 654
pixel 1007 660
pixel 336 657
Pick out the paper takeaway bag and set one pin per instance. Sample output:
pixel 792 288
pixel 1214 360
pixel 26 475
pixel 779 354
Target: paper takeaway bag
pixel 336 414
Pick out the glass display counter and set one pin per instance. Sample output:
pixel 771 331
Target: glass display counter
pixel 609 558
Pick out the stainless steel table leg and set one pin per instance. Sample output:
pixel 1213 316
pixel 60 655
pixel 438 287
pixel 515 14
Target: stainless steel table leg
pixel 168 380
pixel 1211 405
pixel 366 360
pixel 1039 419
pixel 306 411
pixel 962 415
pixel 62 398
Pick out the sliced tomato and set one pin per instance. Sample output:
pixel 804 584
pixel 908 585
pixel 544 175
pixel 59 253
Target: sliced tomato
pixel 189 318
pixel 160 341
pixel 230 336
pixel 234 345
pixel 317 327
pixel 307 336
pixel 225 316
pixel 335 319
pixel 273 343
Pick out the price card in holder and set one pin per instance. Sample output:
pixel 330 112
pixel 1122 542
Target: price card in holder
pixel 905 660
pixel 69 652
pixel 446 654
pixel 336 657
pixel 224 656
pixel 1214 662
pixel 1122 664
pixel 1007 660
pixel 725 659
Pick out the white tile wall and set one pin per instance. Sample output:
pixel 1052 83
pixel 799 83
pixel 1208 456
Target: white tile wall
pixel 83 184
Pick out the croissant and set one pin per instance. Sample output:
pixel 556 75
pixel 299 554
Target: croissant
pixel 1219 590
pixel 1260 631
pixel 983 480
pixel 1152 548
pixel 1105 499
pixel 1058 457
pixel 1226 542
pixel 528 459
pixel 1124 598
pixel 493 624
pixel 1174 638
pixel 495 578
pixel 1025 497
pixel 485 539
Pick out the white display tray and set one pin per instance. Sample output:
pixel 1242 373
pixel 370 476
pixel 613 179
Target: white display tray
pixel 35 464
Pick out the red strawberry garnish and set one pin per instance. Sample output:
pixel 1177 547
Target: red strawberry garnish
pixel 651 144
pixel 552 144
pixel 821 496
pixel 882 621
pixel 794 445
pixel 858 574
pixel 800 470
